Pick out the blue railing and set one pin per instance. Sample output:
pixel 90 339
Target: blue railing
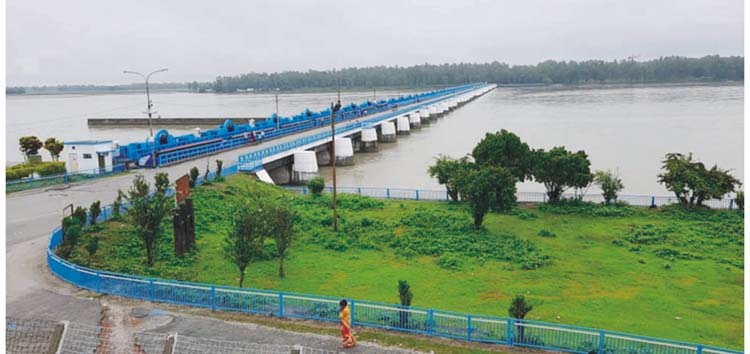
pixel 253 161
pixel 63 178
pixel 420 320
pixel 521 197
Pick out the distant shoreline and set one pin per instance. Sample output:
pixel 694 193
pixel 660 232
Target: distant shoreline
pixel 612 85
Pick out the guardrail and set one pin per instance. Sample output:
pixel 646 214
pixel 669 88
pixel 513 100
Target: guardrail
pixel 65 178
pixel 253 161
pixel 420 320
pixel 521 197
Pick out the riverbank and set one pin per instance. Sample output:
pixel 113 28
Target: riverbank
pixel 666 273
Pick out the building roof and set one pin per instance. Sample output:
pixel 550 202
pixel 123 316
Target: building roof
pixel 87 142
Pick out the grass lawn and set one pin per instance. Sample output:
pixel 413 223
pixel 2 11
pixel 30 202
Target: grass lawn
pixel 669 273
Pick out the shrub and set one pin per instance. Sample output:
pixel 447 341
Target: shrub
pixel 80 214
pixel 219 165
pixel 546 233
pixel 560 169
pixel 523 214
pixel 450 261
pixel 519 308
pixel 577 207
pixel 117 204
pixel 54 147
pixel 193 176
pixel 50 168
pixel 92 246
pixel 316 185
pixel 95 210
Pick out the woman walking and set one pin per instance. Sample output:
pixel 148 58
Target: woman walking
pixel 345 318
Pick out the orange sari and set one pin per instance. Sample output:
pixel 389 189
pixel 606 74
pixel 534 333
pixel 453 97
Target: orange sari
pixel 348 339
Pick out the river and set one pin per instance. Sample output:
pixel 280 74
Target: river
pixel 628 130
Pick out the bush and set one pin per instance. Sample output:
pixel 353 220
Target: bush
pixel 546 233
pixel 316 185
pixel 80 214
pixel 610 184
pixel 95 210
pixel 577 207
pixel 26 169
pixel 193 176
pixel 739 199
pixel 450 261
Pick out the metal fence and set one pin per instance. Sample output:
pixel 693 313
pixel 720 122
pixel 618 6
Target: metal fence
pixel 521 197
pixel 426 321
pixel 36 336
pixel 253 161
pixel 64 178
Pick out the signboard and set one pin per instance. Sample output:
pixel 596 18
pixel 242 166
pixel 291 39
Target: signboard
pixel 183 188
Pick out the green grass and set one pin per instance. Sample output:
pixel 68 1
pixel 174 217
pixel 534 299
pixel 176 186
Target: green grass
pixel 669 273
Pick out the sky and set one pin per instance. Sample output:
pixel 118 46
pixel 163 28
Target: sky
pixel 53 42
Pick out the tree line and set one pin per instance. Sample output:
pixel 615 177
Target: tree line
pixel 664 69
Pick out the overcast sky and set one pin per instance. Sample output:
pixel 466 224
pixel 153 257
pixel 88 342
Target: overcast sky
pixel 75 41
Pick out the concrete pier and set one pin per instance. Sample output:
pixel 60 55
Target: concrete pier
pixel 387 132
pixel 414 121
pixel 432 110
pixel 402 125
pixel 305 167
pixel 369 140
pixel 424 115
pixel 344 152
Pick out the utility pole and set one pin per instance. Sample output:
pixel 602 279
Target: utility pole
pixel 149 104
pixel 334 109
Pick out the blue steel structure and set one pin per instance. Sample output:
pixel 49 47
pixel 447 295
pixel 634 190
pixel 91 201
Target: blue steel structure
pixel 169 149
pixel 426 321
pixel 253 162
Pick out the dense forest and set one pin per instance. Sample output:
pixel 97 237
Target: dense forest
pixel 662 70
pixel 712 68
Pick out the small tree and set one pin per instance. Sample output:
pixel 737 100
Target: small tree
pixel 194 173
pixel 281 222
pixel 560 169
pixel 610 184
pixel 92 246
pixel 404 296
pixel 81 215
pixel 519 308
pixel 219 165
pixel 692 183
pixel 504 149
pixel 117 204
pixel 739 199
pixel 485 188
pixel 316 185
pixel 72 228
pixel 244 241
pixel 54 147
pixel 205 175
pixel 30 145
pixel 94 211
pixel 446 169
pixel 147 210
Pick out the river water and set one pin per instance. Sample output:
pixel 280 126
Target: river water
pixel 624 129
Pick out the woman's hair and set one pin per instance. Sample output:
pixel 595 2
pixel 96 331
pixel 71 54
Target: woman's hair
pixel 342 302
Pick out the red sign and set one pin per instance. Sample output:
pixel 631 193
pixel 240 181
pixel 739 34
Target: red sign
pixel 183 188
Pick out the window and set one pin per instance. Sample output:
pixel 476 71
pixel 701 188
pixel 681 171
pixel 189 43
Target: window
pixel 86 156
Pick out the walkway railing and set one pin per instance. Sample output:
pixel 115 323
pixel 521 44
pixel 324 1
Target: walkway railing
pixel 64 178
pixel 253 161
pixel 426 321
pixel 522 197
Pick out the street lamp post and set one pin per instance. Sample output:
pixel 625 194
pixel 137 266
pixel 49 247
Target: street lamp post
pixel 148 108
pixel 334 109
